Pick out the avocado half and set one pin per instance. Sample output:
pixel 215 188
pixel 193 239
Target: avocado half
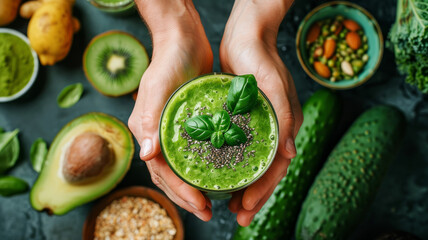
pixel 53 193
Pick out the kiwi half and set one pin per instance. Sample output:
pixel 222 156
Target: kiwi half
pixel 114 63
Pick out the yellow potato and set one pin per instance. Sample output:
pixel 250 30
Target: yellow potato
pixel 50 31
pixel 8 11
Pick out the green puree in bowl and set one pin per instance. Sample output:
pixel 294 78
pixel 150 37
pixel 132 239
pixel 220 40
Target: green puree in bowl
pixel 211 91
pixel 16 64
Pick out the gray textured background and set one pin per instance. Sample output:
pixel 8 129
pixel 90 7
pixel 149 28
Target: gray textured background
pixel 401 203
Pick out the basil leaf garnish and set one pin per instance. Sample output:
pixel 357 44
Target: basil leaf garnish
pixel 9 150
pixel 242 95
pixel 235 135
pixel 70 95
pixel 221 121
pixel 38 153
pixel 217 139
pixel 199 127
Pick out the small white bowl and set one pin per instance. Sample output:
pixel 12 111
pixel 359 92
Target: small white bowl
pixel 35 70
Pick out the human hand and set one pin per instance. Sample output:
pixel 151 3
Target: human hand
pixel 249 46
pixel 181 51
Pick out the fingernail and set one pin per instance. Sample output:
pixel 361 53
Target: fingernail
pixel 193 206
pixel 146 147
pixel 197 214
pixel 254 205
pixel 290 147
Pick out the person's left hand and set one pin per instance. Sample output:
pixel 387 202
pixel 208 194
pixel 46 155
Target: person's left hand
pixel 249 46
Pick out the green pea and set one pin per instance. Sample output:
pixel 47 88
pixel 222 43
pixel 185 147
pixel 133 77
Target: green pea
pixel 330 63
pixel 333 28
pixel 353 56
pixel 365 46
pixel 342 46
pixel 347 58
pixel 323 60
pixel 325 32
pixel 311 60
pixel 343 53
pixel 342 34
pixel 349 50
pixel 365 39
pixel 360 52
pixel 357 65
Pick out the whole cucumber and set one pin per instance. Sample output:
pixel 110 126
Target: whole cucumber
pixel 11 185
pixel 348 182
pixel 278 216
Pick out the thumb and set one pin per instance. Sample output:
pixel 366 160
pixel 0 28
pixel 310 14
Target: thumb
pixel 286 144
pixel 144 120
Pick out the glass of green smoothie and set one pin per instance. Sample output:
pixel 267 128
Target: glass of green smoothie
pixel 121 7
pixel 218 167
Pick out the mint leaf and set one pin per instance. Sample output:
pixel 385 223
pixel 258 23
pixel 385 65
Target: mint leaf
pixel 221 121
pixel 235 135
pixel 242 95
pixel 199 127
pixel 217 139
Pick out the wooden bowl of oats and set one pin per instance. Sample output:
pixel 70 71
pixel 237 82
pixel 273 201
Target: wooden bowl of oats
pixel 134 213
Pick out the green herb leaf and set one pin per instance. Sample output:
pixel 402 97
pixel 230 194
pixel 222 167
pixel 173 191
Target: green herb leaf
pixel 221 121
pixel 242 95
pixel 11 185
pixel 9 150
pixel 70 95
pixel 217 139
pixel 199 127
pixel 235 135
pixel 38 153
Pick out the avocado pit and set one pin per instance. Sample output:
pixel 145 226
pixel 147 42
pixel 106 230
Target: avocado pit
pixel 86 157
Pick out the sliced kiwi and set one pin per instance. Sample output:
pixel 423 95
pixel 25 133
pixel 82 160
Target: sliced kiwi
pixel 114 63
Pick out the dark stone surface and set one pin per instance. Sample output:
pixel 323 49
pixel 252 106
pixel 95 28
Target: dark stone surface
pixel 402 199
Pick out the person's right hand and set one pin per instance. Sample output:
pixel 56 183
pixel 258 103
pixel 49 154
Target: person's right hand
pixel 181 51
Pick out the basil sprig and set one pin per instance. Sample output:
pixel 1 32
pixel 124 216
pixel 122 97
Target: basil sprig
pixel 199 127
pixel 218 129
pixel 217 139
pixel 221 121
pixel 241 98
pixel 235 135
pixel 242 95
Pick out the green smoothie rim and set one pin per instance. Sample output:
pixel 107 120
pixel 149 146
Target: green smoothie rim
pixel 113 7
pixel 208 189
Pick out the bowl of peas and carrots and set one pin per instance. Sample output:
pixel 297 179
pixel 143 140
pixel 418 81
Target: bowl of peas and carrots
pixel 339 45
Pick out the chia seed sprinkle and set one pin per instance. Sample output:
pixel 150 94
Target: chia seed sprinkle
pixel 226 156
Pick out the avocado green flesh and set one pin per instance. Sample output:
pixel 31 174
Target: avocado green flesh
pixel 345 187
pixel 277 218
pixel 111 52
pixel 53 193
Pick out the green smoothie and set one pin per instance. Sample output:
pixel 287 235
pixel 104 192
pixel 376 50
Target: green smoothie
pixel 16 64
pixel 204 96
